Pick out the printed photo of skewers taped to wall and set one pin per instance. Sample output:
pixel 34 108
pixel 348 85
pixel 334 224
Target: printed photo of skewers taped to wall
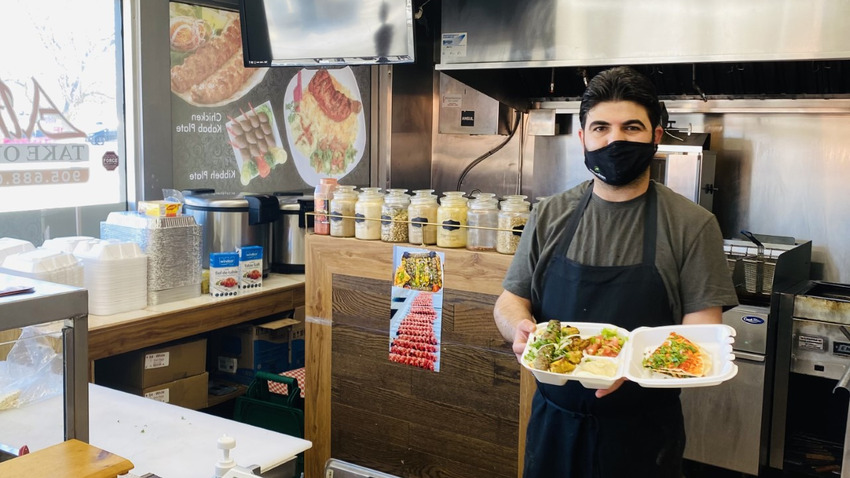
pixel 416 313
pixel 256 142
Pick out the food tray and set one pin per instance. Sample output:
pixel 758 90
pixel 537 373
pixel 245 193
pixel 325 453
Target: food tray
pixel 715 339
pixel 586 329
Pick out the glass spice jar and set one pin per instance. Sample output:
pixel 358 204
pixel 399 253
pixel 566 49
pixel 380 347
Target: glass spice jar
pixel 342 204
pixel 451 217
pixel 367 213
pixel 422 209
pixel 512 219
pixel 537 201
pixel 322 196
pixel 394 216
pixel 482 219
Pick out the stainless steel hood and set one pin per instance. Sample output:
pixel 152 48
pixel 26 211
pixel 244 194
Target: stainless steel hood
pixel 546 48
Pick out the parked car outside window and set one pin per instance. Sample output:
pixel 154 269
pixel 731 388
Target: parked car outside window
pixel 102 136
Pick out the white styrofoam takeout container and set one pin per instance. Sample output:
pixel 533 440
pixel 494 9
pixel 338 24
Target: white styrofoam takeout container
pixel 715 339
pixel 586 329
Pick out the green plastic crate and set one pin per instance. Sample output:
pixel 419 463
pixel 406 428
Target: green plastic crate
pixel 272 411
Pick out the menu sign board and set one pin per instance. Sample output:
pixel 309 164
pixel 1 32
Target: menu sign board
pixel 259 129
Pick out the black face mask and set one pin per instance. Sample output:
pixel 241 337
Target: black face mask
pixel 621 162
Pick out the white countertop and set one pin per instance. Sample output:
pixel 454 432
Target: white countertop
pixel 159 438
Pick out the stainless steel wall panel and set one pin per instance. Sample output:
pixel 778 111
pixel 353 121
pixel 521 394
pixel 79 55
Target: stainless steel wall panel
pixel 783 174
pixel 546 33
pixel 497 174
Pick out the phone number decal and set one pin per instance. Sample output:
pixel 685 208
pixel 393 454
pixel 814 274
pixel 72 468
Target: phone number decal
pixel 44 176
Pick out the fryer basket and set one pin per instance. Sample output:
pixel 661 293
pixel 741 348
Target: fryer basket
pixel 758 274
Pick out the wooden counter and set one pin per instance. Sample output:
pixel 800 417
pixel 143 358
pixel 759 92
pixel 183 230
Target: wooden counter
pixel 156 324
pixel 70 459
pixel 465 420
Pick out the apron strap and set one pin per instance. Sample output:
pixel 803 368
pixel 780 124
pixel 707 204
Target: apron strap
pixel 572 223
pixel 650 224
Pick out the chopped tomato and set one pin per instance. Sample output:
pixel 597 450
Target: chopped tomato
pixel 263 166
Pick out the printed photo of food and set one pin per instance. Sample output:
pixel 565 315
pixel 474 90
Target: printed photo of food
pixel 206 56
pixel 419 271
pixel 256 142
pixel 325 123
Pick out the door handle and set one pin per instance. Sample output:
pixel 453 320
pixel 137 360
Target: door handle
pixel 748 356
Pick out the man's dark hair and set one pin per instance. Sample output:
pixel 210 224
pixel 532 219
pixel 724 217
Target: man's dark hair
pixel 621 83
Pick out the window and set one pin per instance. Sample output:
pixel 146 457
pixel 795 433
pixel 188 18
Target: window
pixel 61 117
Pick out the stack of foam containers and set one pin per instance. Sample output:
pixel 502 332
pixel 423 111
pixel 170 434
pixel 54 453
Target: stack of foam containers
pixel 65 244
pixel 10 245
pixel 173 248
pixel 47 265
pixel 116 275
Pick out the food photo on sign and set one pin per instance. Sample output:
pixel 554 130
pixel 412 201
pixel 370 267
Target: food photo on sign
pixel 325 122
pixel 259 129
pixel 256 143
pixel 416 308
pixel 206 56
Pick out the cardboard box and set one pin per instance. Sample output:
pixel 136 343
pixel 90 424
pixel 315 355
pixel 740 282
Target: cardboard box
pixel 238 352
pixel 250 267
pixel 160 208
pixel 142 369
pixel 224 274
pixel 190 392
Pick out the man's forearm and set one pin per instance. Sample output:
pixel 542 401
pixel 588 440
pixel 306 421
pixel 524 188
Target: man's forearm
pixel 510 310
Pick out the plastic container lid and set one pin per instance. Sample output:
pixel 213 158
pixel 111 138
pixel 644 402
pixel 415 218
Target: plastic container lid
pixel 40 260
pixel 65 244
pixel 108 250
pixel 9 246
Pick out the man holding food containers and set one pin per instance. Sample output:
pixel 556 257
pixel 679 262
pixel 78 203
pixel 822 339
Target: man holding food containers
pixel 623 250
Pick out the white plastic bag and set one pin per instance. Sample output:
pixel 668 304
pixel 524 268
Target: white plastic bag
pixel 32 370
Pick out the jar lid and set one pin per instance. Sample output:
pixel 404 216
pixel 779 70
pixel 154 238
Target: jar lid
pixel 481 195
pixel 424 199
pixel 345 192
pixel 516 197
pixel 515 205
pixel 484 201
pixel 453 197
pixel 371 193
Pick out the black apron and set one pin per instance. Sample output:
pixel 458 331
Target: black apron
pixel 633 432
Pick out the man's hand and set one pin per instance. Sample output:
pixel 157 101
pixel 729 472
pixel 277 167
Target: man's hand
pixel 523 329
pixel 605 391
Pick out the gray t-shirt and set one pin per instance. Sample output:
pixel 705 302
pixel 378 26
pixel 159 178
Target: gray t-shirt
pixel 689 249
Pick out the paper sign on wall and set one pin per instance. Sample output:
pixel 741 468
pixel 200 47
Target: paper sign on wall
pixel 417 307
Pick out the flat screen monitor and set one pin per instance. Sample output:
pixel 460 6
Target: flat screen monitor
pixel 326 32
